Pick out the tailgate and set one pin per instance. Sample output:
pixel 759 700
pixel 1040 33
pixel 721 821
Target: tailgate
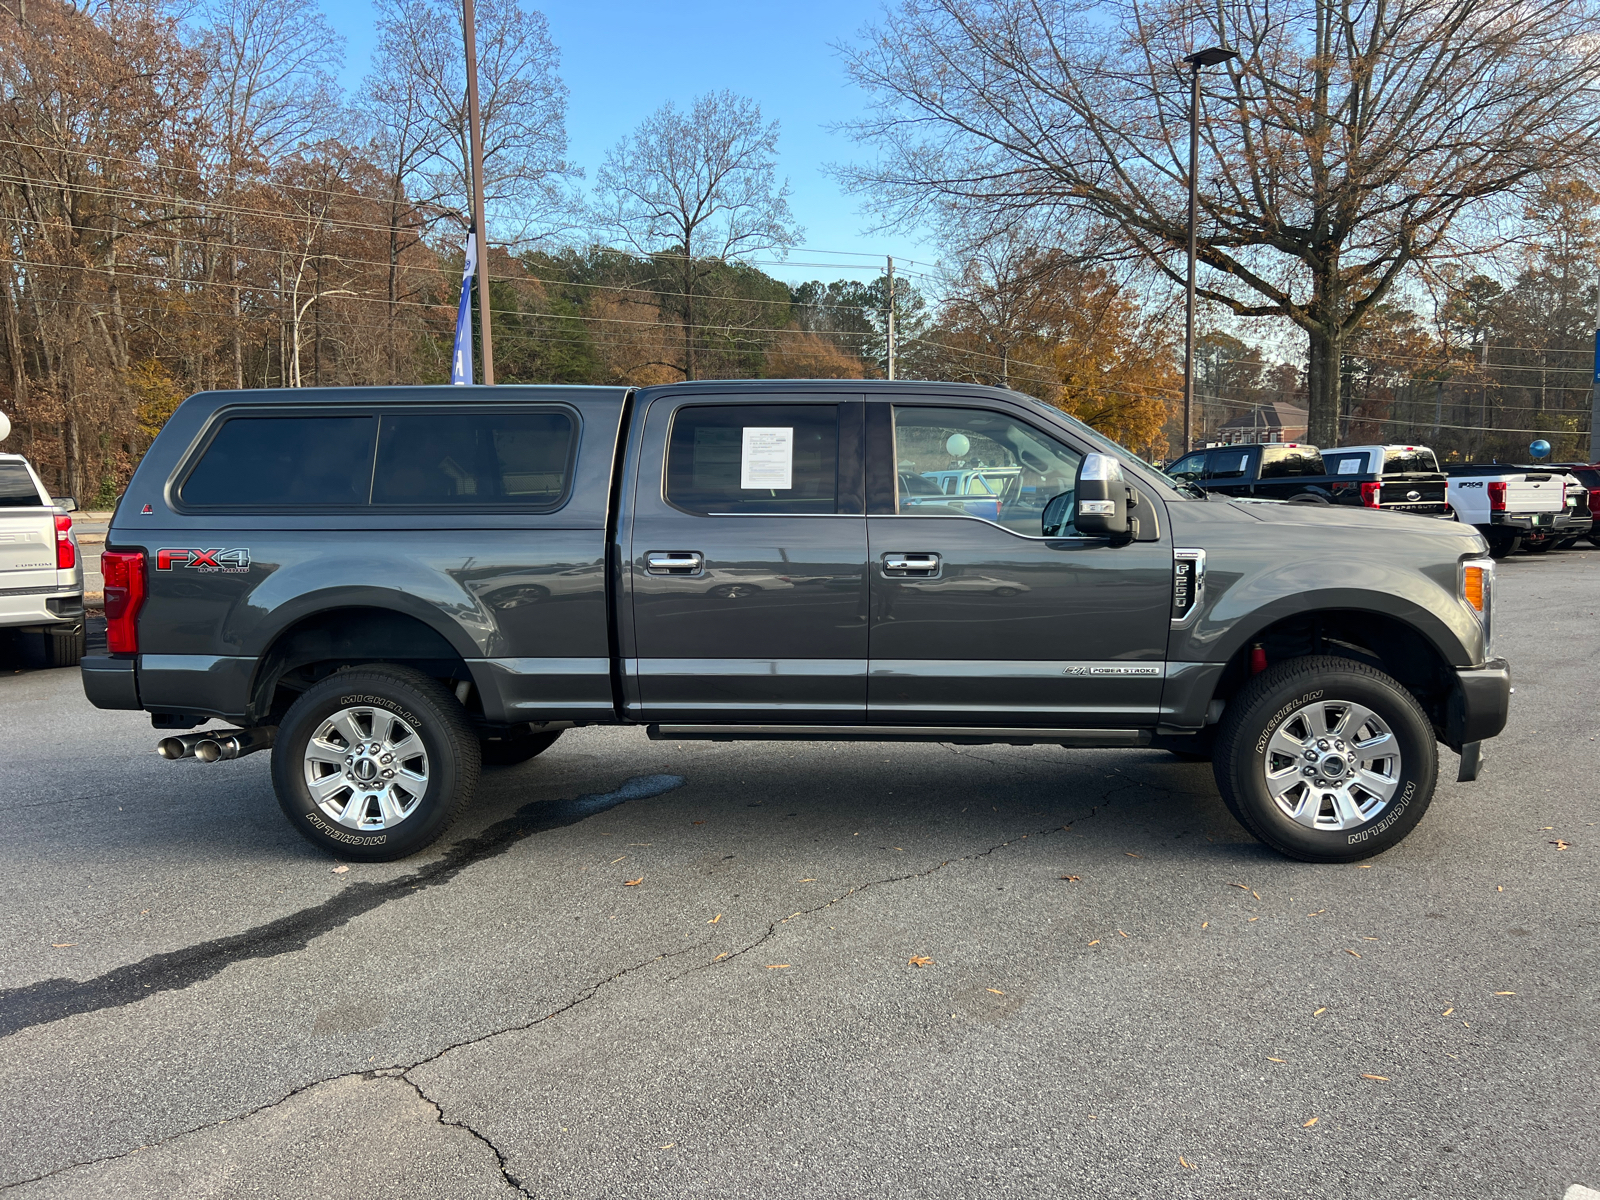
pixel 1419 493
pixel 27 549
pixel 1535 495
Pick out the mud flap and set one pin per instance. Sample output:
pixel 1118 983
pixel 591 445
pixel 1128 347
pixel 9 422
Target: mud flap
pixel 1471 762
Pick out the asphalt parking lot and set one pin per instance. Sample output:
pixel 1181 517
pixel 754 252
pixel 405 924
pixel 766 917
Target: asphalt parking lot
pixel 1121 995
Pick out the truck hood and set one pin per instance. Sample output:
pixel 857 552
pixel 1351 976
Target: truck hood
pixel 1346 516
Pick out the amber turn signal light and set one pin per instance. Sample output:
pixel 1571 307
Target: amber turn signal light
pixel 1472 587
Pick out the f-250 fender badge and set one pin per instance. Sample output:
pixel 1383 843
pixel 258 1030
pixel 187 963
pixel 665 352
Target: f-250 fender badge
pixel 231 562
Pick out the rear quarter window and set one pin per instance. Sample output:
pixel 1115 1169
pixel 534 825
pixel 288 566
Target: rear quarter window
pixel 1408 462
pixel 284 462
pixel 475 460
pixel 17 489
pixel 1346 464
pixel 1285 462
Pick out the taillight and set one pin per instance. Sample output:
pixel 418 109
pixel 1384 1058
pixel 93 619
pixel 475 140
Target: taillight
pixel 1369 494
pixel 66 552
pixel 1594 502
pixel 1497 497
pixel 124 576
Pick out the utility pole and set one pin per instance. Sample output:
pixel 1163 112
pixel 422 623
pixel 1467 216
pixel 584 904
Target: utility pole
pixel 891 322
pixel 1594 404
pixel 469 25
pixel 1209 57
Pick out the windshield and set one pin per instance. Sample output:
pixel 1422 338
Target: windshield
pixel 1106 446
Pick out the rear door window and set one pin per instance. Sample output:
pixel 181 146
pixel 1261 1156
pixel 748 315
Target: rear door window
pixel 771 459
pixel 1346 464
pixel 1288 462
pixel 474 460
pixel 285 462
pixel 17 489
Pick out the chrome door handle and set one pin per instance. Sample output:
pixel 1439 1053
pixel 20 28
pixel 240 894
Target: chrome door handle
pixel 674 562
pixel 922 566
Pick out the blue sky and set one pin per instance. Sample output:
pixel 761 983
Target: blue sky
pixel 621 59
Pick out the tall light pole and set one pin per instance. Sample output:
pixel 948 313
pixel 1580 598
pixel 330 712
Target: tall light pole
pixel 469 25
pixel 1594 404
pixel 1208 57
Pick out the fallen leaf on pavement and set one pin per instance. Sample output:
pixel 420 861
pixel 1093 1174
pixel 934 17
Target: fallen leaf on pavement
pixel 920 961
pixel 1123 934
pixel 1096 942
pixel 1318 913
pixel 777 966
pixel 1499 889
pixel 1319 1012
pixel 1131 854
pixel 669 1145
pixel 1255 893
pixel 1562 845
pixel 1271 1059
pixel 61 945
pixel 1505 993
pixel 1352 954
pixel 1363 866
pixel 1243 887
pixel 1071 878
pixel 633 882
pixel 1447 1012
pixel 1379 1078
pixel 811 880
pixel 697 822
pixel 616 860
pixel 997 991
pixel 1253 919
pixel 1309 1123
pixel 720 957
pixel 340 869
pixel 1368 939
pixel 1187 1163
pixel 1205 924
pixel 714 919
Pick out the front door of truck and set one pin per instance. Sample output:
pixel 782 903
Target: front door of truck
pixel 987 607
pixel 746 561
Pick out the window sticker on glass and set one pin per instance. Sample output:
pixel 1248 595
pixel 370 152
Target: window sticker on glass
pixel 1349 466
pixel 766 459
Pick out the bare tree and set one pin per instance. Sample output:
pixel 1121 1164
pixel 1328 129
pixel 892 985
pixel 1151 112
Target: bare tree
pixel 523 105
pixel 269 85
pixel 696 189
pixel 1345 145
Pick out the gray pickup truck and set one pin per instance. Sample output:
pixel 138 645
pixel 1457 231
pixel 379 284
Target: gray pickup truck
pixel 394 587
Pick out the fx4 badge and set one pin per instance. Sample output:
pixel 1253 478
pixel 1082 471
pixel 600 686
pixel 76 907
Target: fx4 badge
pixel 231 562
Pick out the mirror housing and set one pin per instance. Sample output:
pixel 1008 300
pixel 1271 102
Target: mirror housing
pixel 66 502
pixel 1102 498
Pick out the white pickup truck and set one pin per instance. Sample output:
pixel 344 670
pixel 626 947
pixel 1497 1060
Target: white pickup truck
pixel 1512 506
pixel 41 570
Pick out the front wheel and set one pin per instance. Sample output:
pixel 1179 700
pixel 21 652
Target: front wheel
pixel 375 762
pixel 1326 760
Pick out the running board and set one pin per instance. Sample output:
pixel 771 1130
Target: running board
pixel 964 735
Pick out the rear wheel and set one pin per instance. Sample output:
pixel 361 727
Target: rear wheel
pixel 1326 759
pixel 375 762
pixel 1502 544
pixel 63 647
pixel 1543 547
pixel 510 750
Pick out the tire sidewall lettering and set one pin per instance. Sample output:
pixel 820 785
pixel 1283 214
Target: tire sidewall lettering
pixel 1282 715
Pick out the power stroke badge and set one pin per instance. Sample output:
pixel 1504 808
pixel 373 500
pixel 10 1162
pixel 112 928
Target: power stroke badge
pixel 228 562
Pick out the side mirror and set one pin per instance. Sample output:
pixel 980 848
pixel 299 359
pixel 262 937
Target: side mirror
pixel 1102 498
pixel 66 502
pixel 1057 516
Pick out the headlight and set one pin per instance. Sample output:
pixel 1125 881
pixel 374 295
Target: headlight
pixel 1477 593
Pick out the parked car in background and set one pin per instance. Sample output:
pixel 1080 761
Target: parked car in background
pixel 1583 497
pixel 1364 476
pixel 41 571
pixel 1513 506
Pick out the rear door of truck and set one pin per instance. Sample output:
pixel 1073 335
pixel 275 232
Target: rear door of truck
pixel 27 541
pixel 745 562
pixel 1231 470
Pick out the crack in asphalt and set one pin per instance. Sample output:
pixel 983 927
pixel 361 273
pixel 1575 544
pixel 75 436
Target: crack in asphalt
pixel 505 1171
pixel 52 999
pixel 403 1073
pixel 806 912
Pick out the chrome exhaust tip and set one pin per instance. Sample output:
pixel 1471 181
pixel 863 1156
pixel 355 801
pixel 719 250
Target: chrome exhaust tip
pixel 225 744
pixel 180 745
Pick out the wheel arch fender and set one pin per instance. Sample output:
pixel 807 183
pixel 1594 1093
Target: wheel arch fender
pixel 349 627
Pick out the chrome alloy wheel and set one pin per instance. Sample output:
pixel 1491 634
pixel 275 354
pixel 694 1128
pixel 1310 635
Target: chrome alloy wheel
pixel 366 768
pixel 1333 765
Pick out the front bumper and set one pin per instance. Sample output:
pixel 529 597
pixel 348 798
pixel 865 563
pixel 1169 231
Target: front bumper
pixel 110 682
pixel 1479 704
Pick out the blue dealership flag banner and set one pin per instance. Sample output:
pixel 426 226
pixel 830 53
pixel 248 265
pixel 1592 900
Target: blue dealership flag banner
pixel 461 363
